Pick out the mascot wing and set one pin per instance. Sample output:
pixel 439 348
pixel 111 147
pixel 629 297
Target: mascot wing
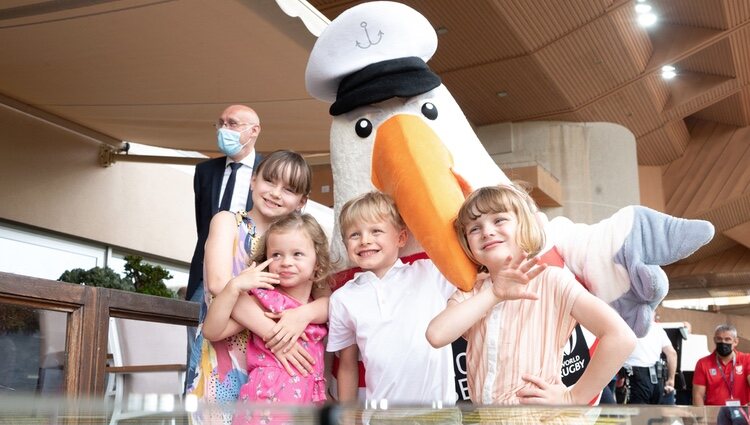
pixel 619 258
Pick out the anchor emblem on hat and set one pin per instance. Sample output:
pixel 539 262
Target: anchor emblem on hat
pixel 367 34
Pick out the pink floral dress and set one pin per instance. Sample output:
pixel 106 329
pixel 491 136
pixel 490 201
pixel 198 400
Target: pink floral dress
pixel 267 380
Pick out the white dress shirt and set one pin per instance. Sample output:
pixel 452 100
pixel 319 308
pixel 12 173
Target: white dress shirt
pixel 241 183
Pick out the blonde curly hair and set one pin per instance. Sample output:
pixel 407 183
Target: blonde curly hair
pixel 306 223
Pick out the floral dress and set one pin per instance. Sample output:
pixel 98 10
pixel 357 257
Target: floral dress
pixel 268 381
pixel 221 369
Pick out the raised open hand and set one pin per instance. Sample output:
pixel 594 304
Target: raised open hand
pixel 509 283
pixel 254 277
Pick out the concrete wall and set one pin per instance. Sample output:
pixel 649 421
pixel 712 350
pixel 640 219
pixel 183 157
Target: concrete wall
pixel 652 189
pixel 596 163
pixel 51 179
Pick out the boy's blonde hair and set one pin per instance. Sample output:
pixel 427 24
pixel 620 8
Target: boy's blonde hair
pixel 284 163
pixel 502 198
pixel 296 221
pixel 369 207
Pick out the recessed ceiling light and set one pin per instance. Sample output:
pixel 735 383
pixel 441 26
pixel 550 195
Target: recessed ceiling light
pixel 502 94
pixel 642 8
pixel 441 30
pixel 668 72
pixel 647 19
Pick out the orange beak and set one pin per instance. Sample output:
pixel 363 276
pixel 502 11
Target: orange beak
pixel 410 163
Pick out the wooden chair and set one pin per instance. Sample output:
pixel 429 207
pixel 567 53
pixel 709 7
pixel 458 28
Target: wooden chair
pixel 147 368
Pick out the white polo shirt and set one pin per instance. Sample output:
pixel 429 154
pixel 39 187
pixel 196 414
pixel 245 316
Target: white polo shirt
pixel 648 349
pixel 387 318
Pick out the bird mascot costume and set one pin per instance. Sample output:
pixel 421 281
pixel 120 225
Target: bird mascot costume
pixel 396 128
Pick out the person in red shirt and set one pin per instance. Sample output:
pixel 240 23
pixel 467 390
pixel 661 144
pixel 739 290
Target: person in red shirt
pixel 721 378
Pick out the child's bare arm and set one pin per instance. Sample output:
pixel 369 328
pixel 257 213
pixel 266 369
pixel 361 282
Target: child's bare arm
pixel 219 246
pixel 347 381
pixel 616 342
pixel 251 315
pixel 291 324
pixel 458 317
pixel 508 283
pixel 218 323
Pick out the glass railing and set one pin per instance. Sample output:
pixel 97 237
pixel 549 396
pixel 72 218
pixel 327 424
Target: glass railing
pixel 153 408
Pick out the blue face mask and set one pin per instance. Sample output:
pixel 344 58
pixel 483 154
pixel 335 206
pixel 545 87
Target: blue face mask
pixel 229 141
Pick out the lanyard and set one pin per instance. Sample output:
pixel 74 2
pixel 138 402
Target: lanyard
pixel 730 384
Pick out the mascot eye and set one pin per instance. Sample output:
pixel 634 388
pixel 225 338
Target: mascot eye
pixel 363 128
pixel 430 111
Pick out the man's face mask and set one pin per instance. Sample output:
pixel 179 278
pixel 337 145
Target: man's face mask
pixel 229 141
pixel 723 349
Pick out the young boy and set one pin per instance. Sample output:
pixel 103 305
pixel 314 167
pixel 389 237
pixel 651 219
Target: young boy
pixel 383 312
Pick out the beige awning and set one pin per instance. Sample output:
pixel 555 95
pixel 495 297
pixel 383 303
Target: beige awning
pixel 159 72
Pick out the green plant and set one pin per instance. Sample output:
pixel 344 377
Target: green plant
pixel 97 276
pixel 139 277
pixel 147 278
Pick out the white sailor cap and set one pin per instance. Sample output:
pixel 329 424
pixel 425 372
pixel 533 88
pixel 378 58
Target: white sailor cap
pixel 372 52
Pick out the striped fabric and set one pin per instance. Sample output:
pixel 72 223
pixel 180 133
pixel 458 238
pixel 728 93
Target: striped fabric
pixel 520 337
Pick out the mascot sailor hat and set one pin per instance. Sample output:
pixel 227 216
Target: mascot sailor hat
pixel 397 129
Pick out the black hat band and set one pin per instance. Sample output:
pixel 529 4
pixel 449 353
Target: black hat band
pixel 402 77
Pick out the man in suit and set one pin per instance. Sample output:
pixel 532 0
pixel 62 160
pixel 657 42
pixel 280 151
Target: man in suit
pixel 221 184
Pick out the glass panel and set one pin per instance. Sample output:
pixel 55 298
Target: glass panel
pixel 32 349
pixel 157 409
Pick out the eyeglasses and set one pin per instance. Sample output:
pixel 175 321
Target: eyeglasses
pixel 230 124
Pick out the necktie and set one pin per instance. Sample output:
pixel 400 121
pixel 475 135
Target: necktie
pixel 226 199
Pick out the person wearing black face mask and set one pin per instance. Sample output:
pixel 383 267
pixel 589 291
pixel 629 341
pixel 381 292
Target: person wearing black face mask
pixel 721 378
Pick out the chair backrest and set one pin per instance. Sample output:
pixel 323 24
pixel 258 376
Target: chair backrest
pixel 138 343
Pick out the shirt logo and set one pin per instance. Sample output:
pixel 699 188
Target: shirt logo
pixel 738 369
pixel 712 372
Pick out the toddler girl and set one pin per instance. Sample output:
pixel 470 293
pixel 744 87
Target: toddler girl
pixel 295 250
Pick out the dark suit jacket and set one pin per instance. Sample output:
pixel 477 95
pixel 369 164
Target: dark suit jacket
pixel 206 185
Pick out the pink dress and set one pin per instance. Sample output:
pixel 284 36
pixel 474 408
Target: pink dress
pixel 267 380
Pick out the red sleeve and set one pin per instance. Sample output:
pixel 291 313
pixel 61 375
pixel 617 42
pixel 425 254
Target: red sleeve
pixel 699 376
